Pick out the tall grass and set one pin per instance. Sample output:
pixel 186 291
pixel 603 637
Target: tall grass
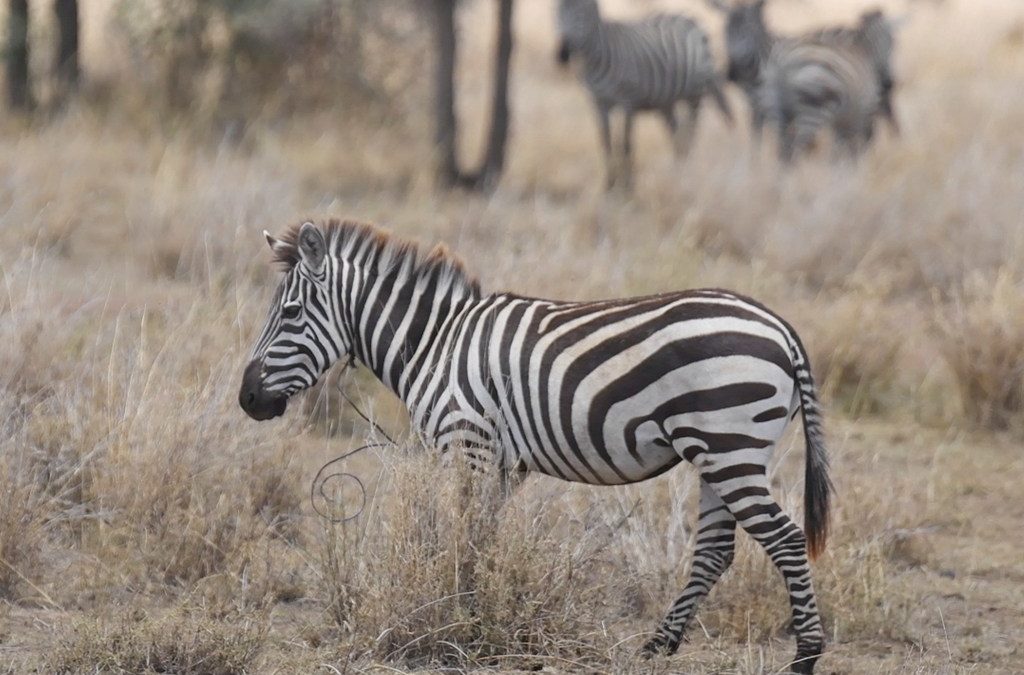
pixel 982 338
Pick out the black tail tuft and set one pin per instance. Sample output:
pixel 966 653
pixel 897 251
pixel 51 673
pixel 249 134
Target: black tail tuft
pixel 817 492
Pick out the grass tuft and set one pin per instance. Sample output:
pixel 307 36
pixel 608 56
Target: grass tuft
pixel 180 642
pixel 445 574
pixel 982 339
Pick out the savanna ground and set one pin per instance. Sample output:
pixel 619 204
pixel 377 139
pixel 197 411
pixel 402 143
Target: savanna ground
pixel 147 524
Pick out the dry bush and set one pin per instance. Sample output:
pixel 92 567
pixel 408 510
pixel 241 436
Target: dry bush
pixel 854 340
pixel 181 642
pixel 981 335
pixel 433 578
pixel 22 534
pixel 858 591
pixel 198 496
pixel 231 63
pixel 861 593
pixel 119 444
pixel 443 574
pixel 650 528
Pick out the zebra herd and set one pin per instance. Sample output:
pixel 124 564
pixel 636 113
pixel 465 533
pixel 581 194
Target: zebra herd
pixel 604 393
pixel 838 79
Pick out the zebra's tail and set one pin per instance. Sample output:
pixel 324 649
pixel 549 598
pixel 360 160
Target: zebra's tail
pixel 818 486
pixel 723 105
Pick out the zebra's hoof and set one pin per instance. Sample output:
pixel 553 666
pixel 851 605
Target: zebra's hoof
pixel 803 664
pixel 659 645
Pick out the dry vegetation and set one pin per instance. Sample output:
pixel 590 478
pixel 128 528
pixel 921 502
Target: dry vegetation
pixel 147 524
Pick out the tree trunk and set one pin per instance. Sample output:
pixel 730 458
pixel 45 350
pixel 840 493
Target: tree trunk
pixel 446 132
pixel 66 13
pixel 19 94
pixel 494 158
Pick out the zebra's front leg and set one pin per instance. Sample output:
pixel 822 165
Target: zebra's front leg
pixel 687 132
pixel 757 118
pixel 509 481
pixel 716 537
pixel 627 150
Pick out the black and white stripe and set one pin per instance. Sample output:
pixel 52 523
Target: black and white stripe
pixel 651 64
pixel 604 393
pixel 839 77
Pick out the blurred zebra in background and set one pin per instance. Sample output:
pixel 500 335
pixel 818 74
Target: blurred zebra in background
pixel 840 77
pixel 748 44
pixel 808 87
pixel 651 64
pixel 873 36
pixel 604 392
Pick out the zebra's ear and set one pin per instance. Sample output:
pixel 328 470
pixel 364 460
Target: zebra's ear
pixel 312 246
pixel 282 250
pixel 271 241
pixel 720 5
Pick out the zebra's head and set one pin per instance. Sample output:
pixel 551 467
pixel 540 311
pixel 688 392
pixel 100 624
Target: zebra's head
pixel 579 22
pixel 301 338
pixel 747 39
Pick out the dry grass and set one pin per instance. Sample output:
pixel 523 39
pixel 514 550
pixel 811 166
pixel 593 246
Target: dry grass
pixel 182 642
pixel 146 523
pixel 440 576
pixel 983 341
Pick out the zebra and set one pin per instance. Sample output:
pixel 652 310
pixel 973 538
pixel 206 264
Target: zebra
pixel 646 65
pixel 750 45
pixel 602 392
pixel 873 36
pixel 808 86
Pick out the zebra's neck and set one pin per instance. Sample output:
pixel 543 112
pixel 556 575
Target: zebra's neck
pixel 399 318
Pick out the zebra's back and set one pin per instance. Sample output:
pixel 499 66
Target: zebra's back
pixel 651 63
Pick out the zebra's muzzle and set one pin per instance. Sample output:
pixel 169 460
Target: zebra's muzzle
pixel 257 402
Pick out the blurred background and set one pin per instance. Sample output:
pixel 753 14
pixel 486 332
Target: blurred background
pixel 147 524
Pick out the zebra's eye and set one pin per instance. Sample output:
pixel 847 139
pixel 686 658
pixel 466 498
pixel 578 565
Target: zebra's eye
pixel 291 312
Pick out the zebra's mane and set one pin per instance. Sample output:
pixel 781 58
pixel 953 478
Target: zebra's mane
pixel 377 249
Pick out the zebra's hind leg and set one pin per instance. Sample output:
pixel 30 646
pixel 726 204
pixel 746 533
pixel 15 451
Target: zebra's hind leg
pixel 757 118
pixel 744 489
pixel 672 122
pixel 716 537
pixel 683 134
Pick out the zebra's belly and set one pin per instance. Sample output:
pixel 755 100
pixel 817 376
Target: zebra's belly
pixel 637 98
pixel 658 458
